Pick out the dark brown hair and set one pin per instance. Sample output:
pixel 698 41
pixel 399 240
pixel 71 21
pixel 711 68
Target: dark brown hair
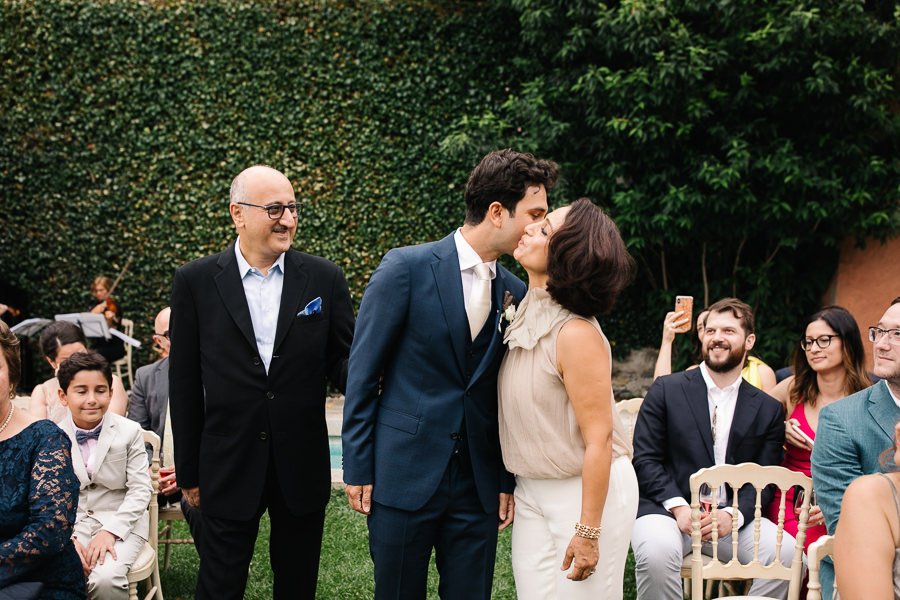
pixel 9 344
pixel 805 387
pixel 58 334
pixel 587 262
pixel 504 176
pixel 82 361
pixel 740 310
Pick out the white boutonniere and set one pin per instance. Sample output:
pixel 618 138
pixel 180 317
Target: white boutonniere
pixel 508 309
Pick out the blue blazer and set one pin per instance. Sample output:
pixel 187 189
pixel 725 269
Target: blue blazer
pixel 852 434
pixel 407 386
pixel 673 439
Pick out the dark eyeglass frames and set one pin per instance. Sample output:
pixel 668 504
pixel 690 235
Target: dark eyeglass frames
pixel 275 211
pixel 823 341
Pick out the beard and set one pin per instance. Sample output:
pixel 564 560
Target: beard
pixel 731 360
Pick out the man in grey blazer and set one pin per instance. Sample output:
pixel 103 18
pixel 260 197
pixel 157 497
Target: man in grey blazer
pixel 854 431
pixel 147 405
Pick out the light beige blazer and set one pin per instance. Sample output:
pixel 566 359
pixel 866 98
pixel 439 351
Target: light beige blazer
pixel 117 495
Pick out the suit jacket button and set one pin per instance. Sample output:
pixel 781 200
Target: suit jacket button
pixel 270 395
pixel 256 361
pixel 262 435
pixel 454 436
pixel 90 512
pixel 92 486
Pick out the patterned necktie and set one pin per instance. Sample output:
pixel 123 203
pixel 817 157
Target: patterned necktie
pixel 83 436
pixel 480 299
pixel 168 442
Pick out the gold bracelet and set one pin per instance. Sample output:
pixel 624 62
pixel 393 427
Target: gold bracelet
pixel 591 533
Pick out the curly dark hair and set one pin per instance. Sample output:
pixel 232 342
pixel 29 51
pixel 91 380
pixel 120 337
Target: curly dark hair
pixel 83 361
pixel 504 176
pixel 587 262
pixel 9 345
pixel 805 387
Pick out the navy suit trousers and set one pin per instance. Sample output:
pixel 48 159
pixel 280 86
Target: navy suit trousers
pixel 454 524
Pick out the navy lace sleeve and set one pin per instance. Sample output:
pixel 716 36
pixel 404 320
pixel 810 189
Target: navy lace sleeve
pixel 38 501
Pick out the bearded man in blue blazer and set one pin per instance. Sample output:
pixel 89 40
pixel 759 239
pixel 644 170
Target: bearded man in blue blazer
pixel 855 431
pixel 420 440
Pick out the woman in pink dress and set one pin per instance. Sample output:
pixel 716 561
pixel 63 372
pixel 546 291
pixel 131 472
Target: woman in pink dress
pixel 828 366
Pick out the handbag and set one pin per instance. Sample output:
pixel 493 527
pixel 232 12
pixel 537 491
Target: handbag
pixel 24 590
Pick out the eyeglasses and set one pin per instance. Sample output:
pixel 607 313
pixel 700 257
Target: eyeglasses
pixel 823 341
pixel 276 210
pixel 876 333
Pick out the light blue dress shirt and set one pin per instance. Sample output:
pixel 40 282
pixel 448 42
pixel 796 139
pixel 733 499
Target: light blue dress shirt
pixel 263 295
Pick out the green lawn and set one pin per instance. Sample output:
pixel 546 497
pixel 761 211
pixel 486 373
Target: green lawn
pixel 345 572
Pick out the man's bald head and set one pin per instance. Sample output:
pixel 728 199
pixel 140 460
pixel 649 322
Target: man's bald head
pixel 250 175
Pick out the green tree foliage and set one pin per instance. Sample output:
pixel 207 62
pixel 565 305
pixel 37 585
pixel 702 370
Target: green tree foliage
pixel 735 143
pixel 124 122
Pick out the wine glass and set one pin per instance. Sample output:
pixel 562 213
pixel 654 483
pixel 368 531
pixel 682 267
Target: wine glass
pixel 799 495
pixel 705 495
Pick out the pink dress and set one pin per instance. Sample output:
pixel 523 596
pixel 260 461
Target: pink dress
pixel 796 459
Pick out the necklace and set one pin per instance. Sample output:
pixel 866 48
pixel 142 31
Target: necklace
pixel 8 417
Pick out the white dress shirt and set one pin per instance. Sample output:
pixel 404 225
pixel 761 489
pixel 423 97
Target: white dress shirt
pixel 468 258
pixel 88 447
pixel 263 293
pixel 722 402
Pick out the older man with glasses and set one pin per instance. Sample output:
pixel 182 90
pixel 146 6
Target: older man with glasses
pixel 855 431
pixel 256 331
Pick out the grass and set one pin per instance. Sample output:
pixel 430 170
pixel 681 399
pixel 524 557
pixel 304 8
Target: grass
pixel 345 570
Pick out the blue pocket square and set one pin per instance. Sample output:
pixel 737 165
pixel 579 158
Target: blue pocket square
pixel 313 308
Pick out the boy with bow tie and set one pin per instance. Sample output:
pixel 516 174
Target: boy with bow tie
pixel 111 463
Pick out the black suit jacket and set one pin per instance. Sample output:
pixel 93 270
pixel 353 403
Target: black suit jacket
pixel 228 414
pixel 673 439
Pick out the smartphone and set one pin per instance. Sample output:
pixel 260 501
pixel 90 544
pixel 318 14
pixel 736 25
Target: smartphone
pixel 805 437
pixel 684 304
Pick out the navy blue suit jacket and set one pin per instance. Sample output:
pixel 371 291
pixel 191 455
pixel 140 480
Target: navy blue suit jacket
pixel 673 439
pixel 412 331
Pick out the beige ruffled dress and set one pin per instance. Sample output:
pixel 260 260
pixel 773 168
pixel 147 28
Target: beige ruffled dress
pixel 539 434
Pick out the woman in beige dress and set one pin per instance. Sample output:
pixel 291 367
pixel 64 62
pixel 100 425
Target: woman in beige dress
pixel 576 491
pixel 59 341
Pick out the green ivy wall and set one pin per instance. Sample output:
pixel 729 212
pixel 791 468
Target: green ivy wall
pixel 123 123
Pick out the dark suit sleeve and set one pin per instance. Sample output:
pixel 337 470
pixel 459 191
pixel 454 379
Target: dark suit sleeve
pixel 340 335
pixel 137 404
pixel 382 314
pixel 650 447
pixel 771 452
pixel 835 463
pixel 185 383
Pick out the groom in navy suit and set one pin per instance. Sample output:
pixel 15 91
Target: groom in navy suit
pixel 420 441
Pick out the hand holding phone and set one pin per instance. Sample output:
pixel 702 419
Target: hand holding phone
pixel 685 305
pixel 796 427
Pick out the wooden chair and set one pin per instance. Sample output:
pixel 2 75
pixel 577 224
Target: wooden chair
pixel 736 477
pixel 168 514
pixel 822 547
pixel 146 565
pixel 125 361
pixel 628 410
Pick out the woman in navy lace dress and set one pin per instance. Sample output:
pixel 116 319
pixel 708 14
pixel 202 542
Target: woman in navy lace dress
pixel 38 494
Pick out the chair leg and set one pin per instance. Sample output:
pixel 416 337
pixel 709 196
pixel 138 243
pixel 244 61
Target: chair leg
pixel 168 545
pixel 132 591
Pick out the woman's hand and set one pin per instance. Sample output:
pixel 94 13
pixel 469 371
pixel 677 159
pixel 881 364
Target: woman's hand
pixel 672 325
pixel 582 555
pixel 82 554
pixel 791 427
pixel 815 516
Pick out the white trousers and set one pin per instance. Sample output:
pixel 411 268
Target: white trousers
pixel 109 581
pixel 546 513
pixel 660 547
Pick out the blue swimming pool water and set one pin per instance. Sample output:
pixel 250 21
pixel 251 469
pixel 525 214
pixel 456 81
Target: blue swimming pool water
pixel 334 448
